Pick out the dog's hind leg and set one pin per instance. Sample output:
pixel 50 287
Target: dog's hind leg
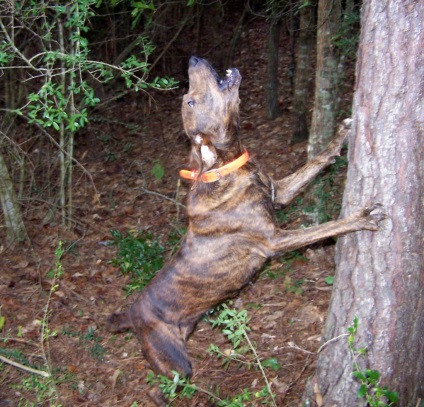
pixel 166 352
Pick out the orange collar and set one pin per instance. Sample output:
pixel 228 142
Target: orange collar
pixel 216 173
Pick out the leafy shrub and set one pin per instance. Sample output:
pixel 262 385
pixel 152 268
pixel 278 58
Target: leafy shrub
pixel 140 255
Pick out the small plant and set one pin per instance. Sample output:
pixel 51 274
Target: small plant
pixel 329 280
pixel 96 350
pixel 158 170
pixel 139 255
pixel 287 260
pixel 290 211
pixel 294 286
pixel 41 383
pixel 234 326
pixel 370 389
pixel 177 388
pixel 89 340
pixel 42 388
pixel 181 388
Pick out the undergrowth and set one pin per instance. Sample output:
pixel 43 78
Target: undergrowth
pixel 321 202
pixel 370 388
pixel 234 325
pixel 141 255
pixel 39 384
pixel 324 195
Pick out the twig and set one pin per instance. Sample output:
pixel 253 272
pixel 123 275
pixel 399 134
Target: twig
pixel 330 341
pixel 294 346
pixel 84 170
pixel 176 35
pixel 268 385
pixel 26 368
pixel 147 191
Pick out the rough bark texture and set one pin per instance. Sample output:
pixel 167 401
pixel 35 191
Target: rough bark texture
pixel 273 108
pixel 14 224
pixel 380 276
pixel 303 74
pixel 326 81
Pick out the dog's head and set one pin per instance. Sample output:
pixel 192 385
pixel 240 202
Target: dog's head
pixel 210 110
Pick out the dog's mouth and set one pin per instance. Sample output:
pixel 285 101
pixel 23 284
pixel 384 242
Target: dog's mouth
pixel 232 78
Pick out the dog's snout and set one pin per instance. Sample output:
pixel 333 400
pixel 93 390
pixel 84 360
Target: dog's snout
pixel 193 61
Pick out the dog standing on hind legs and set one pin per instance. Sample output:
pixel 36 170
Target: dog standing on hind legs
pixel 231 229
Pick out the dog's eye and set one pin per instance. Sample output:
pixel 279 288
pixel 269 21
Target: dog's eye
pixel 191 103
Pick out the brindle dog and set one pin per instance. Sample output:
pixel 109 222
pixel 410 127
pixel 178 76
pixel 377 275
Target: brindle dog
pixel 231 230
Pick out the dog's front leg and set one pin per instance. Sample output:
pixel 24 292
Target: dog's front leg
pixel 368 219
pixel 288 187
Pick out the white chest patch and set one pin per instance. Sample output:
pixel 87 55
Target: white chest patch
pixel 208 156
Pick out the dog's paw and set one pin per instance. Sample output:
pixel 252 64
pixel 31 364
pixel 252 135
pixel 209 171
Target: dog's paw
pixel 119 322
pixel 374 215
pixel 157 397
pixel 334 147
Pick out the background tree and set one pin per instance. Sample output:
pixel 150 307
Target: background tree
pixel 274 11
pixel 380 276
pixel 15 227
pixel 47 44
pixel 304 47
pixel 326 77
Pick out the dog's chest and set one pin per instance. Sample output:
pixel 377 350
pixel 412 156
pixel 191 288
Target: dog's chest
pixel 241 207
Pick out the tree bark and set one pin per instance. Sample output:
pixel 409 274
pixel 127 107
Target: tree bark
pixel 15 227
pixel 380 276
pixel 273 108
pixel 303 74
pixel 326 80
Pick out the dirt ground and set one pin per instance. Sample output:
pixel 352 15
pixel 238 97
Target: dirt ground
pixel 91 367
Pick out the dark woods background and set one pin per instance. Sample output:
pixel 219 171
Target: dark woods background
pixel 91 142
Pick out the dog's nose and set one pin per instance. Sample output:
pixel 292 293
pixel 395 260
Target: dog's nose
pixel 193 61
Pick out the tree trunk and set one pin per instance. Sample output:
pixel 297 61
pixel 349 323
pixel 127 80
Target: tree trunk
pixel 303 74
pixel 380 276
pixel 15 227
pixel 326 80
pixel 273 108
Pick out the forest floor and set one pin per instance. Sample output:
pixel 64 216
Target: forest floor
pixel 91 367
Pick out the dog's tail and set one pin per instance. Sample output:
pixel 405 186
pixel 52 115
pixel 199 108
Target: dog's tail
pixel 119 322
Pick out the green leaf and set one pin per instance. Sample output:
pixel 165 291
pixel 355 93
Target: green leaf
pixel 329 280
pixel 373 375
pixel 362 391
pixel 2 321
pixel 360 376
pixel 392 396
pixel 272 363
pixel 158 171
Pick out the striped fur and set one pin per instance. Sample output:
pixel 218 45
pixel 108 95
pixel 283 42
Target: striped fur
pixel 231 230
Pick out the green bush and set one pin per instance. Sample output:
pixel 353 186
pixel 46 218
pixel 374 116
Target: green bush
pixel 139 255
